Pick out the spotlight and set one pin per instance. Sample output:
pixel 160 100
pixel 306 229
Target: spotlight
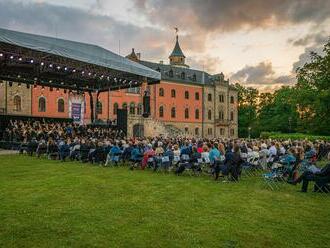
pixel 65 68
pixel 82 72
pixel 51 65
pixel 58 67
pixel 50 81
pixel 74 70
pixel 62 83
pixel 20 59
pixel 42 63
pixel 31 61
pixel 11 57
pixel 89 74
pixel 1 54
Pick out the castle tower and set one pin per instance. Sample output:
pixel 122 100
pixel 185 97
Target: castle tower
pixel 177 57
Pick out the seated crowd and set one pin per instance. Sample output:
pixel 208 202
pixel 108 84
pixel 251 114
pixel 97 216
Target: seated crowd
pixel 218 157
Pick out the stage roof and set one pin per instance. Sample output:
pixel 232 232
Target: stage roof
pixel 71 58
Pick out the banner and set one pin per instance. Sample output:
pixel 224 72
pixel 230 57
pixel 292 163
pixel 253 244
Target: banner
pixel 77 108
pixel 76 112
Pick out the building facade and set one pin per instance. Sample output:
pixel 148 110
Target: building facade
pixel 186 101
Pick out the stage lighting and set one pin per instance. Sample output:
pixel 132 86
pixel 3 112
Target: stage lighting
pixel 82 72
pixel 74 70
pixel 31 61
pixel 1 54
pixel 58 67
pixel 89 74
pixel 42 63
pixel 51 65
pixel 65 68
pixel 20 59
pixel 11 57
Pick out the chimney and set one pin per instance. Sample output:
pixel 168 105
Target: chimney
pixel 138 55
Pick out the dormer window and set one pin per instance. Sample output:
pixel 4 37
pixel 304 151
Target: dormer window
pixel 170 73
pixel 183 75
pixel 194 77
pixel 158 69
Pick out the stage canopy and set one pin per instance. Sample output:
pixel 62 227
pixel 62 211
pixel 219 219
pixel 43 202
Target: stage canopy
pixel 59 63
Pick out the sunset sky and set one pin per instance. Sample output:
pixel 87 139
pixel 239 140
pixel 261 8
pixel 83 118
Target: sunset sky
pixel 258 43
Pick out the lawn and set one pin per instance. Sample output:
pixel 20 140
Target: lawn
pixel 52 204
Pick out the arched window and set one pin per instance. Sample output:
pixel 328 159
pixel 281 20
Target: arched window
pixel 17 103
pixel 221 115
pixel 173 113
pixel 196 131
pixel 194 77
pixel 173 93
pixel 161 92
pixel 124 106
pixel 186 129
pixel 60 105
pixel 170 73
pixel 161 111
pixel 42 104
pixel 115 108
pixel 186 94
pixel 231 115
pixel 209 114
pixel 183 75
pixel 132 108
pixel 186 113
pixel 139 109
pixel 197 114
pixel 209 97
pixel 99 107
pixel 196 95
pixel 232 100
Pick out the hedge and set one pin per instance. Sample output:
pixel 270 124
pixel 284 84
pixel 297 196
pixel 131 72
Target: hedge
pixel 293 136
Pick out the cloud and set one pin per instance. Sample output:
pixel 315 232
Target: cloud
pixel 305 56
pixel 262 76
pixel 317 39
pixel 215 15
pixel 82 25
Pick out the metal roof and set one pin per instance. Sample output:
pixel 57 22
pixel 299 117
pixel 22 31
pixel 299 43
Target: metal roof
pixel 83 52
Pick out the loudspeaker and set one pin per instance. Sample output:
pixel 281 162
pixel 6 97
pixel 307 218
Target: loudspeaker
pixel 122 120
pixel 146 106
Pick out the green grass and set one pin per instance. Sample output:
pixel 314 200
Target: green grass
pixel 52 204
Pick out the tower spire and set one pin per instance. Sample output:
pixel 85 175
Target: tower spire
pixel 177 57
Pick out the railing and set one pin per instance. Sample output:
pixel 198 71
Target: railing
pixel 222 122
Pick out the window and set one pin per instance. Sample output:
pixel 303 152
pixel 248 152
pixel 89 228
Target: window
pixel 194 77
pixel 186 129
pixel 209 114
pixel 183 75
pixel 173 93
pixel 60 105
pixel 135 90
pixel 221 98
pixel 170 73
pixel 132 108
pixel 197 96
pixel 186 113
pixel 197 114
pixel 139 109
pixel 124 106
pixel 42 104
pixel 161 111
pixel 232 100
pixel 196 131
pixel 232 132
pixel 115 108
pixel 99 107
pixel 209 97
pixel 231 115
pixel 221 116
pixel 17 103
pixel 209 131
pixel 173 113
pixel 161 92
pixel 222 131
pixel 186 94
